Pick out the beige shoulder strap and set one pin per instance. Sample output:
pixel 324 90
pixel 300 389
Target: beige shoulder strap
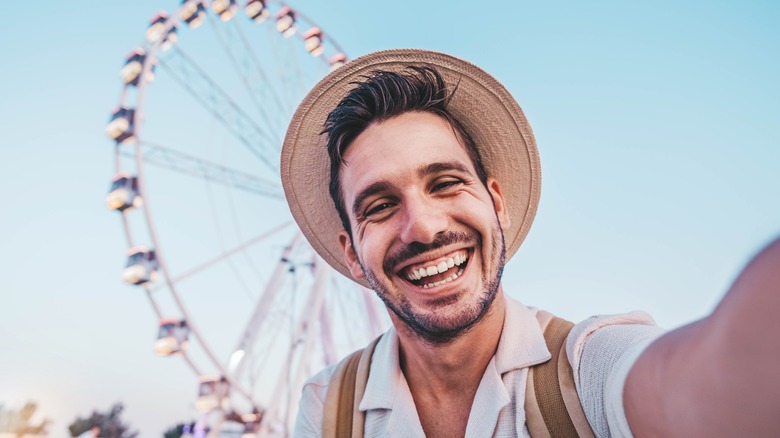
pixel 342 417
pixel 552 406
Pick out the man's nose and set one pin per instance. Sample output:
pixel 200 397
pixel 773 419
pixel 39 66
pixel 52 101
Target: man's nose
pixel 422 222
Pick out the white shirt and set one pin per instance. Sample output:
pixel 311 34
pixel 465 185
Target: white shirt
pixel 601 350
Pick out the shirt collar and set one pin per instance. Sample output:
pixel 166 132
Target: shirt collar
pixel 521 345
pixel 522 342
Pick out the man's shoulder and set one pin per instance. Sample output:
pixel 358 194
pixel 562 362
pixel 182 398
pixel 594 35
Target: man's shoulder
pixel 320 380
pixel 601 350
pixel 316 387
pixel 616 324
pixel 312 401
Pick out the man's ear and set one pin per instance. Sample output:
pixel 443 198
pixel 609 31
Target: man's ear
pixel 350 257
pixel 494 187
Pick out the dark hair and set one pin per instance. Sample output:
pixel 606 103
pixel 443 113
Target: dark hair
pixel 382 96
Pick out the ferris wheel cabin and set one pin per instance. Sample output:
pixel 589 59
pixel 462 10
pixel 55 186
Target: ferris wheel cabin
pixel 193 13
pixel 134 66
pixel 251 424
pixel 337 61
pixel 123 194
pixel 142 266
pixel 121 125
pixel 172 337
pixel 312 41
pixel 212 394
pixel 285 22
pixel 226 9
pixel 157 31
pixel 257 10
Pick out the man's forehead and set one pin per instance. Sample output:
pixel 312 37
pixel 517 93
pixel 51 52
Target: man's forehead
pixel 412 141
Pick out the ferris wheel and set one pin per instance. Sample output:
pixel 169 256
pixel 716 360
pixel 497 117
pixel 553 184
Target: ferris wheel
pixel 240 296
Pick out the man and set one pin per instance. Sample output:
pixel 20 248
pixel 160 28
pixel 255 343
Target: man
pixel 433 184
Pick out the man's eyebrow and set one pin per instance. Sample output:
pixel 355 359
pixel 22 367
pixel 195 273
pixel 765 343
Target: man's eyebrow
pixel 442 166
pixel 371 190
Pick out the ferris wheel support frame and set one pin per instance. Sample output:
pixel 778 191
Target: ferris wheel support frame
pixel 249 335
pixel 313 305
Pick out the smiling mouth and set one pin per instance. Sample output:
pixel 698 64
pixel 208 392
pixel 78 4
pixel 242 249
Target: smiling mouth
pixel 437 272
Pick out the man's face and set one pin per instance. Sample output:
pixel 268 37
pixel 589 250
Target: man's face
pixel 426 233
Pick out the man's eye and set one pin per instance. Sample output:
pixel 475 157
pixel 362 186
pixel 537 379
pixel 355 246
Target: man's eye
pixel 443 185
pixel 378 208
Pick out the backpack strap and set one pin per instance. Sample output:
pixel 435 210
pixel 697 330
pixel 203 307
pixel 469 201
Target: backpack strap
pixel 552 406
pixel 342 417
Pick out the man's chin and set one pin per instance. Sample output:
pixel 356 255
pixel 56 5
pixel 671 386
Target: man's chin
pixel 440 319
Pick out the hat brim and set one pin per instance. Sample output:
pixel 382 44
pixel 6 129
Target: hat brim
pixel 487 111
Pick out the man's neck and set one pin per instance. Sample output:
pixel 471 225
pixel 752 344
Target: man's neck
pixel 454 369
pixel 443 378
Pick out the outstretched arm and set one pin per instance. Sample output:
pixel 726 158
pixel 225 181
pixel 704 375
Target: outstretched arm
pixel 719 376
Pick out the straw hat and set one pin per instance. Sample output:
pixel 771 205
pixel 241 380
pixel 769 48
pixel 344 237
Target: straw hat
pixel 483 106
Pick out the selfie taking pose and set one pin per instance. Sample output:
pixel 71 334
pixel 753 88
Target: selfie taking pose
pixel 416 174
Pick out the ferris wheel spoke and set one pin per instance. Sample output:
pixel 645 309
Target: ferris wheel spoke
pixel 207 91
pixel 218 229
pixel 281 72
pixel 224 255
pixel 239 235
pixel 253 90
pixel 159 155
pixel 283 109
pixel 295 66
pixel 191 364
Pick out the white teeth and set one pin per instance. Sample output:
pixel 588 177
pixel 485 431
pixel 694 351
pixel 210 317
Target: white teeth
pixel 439 268
pixel 446 280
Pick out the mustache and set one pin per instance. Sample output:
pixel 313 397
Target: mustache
pixel 415 249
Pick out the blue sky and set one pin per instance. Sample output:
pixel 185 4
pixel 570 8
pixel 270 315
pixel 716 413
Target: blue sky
pixel 656 125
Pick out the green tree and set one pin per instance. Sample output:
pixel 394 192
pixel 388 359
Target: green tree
pixel 178 430
pixel 109 422
pixel 20 422
pixel 174 431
